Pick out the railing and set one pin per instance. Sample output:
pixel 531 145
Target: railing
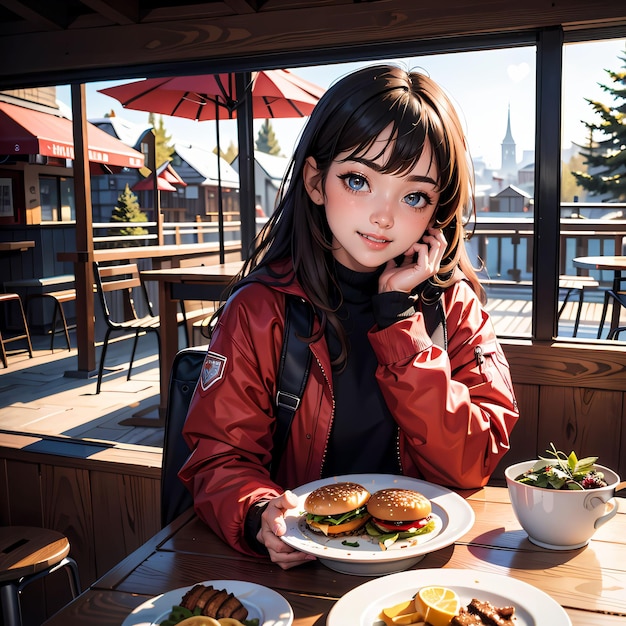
pixel 505 244
pixel 173 232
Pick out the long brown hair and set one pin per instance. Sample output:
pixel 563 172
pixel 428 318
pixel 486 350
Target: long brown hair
pixel 349 118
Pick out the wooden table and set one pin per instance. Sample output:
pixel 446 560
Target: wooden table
pixel 589 583
pixel 16 246
pixel 616 264
pixel 161 256
pixel 206 282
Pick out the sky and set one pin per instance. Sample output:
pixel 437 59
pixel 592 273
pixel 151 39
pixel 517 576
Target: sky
pixel 484 86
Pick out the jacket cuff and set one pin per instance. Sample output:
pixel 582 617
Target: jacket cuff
pixel 252 525
pixel 391 306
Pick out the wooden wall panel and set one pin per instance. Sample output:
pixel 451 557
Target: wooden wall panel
pixel 124 510
pixel 106 509
pixel 587 421
pixel 591 366
pixel 24 487
pixel 67 508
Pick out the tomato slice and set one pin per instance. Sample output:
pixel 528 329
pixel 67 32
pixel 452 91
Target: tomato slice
pixel 401 526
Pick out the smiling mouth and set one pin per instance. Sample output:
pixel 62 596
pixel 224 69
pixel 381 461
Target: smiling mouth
pixel 374 239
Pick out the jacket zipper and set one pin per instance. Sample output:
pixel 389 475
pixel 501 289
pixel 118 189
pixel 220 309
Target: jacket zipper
pixel 332 416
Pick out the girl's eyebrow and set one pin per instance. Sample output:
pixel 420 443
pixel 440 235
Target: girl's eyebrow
pixel 416 178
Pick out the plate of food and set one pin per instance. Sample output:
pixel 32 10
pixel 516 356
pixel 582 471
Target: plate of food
pixel 258 602
pixel 373 524
pixel 521 604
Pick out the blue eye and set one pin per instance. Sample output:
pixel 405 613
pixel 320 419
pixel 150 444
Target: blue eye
pixel 355 182
pixel 417 200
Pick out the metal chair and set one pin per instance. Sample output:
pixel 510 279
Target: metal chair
pixel 125 282
pixel 28 554
pixel 7 298
pixel 618 298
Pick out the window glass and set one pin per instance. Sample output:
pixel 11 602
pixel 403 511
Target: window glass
pixel 68 206
pixel 497 107
pixel 49 194
pixel 593 209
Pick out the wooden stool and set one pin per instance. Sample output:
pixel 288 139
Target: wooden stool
pixel 7 298
pixel 27 554
pixel 58 298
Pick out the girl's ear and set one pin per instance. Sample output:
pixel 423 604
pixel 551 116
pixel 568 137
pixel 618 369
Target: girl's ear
pixel 313 181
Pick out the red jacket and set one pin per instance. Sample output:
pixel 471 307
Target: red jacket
pixel 455 409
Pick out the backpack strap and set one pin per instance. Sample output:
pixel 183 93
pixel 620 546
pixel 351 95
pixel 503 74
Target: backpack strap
pixel 294 366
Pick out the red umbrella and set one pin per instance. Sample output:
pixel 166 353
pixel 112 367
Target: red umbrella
pixel 274 93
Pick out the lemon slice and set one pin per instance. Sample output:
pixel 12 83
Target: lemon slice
pixel 438 604
pixel 402 614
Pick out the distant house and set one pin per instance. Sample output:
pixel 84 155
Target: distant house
pixel 106 189
pixel 511 199
pixel 268 174
pixel 198 167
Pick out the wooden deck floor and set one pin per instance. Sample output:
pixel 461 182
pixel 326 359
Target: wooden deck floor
pixel 37 398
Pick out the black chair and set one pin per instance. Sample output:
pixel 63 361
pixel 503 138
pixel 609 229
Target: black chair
pixel 117 287
pixel 618 298
pixel 175 499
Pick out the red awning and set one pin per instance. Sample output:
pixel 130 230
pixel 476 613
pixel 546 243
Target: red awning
pixel 26 131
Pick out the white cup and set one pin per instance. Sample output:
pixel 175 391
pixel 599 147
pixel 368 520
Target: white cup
pixel 561 519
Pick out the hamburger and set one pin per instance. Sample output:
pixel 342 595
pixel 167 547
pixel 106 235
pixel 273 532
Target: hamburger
pixel 337 508
pixel 398 514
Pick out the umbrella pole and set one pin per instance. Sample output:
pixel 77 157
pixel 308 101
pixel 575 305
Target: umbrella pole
pixel 220 205
pixel 245 133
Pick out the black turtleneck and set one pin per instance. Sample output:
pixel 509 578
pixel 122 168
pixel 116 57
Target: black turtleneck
pixel 363 435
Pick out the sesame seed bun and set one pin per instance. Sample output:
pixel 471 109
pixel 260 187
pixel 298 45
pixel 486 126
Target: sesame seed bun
pixel 400 505
pixel 336 498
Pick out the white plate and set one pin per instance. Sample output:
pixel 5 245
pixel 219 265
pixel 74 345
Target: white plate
pixel 453 515
pixel 362 605
pixel 270 607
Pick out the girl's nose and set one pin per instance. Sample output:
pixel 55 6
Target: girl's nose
pixel 382 218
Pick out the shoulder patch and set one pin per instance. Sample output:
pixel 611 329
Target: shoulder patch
pixel 212 369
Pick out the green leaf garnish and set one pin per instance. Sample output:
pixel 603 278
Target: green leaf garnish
pixel 560 471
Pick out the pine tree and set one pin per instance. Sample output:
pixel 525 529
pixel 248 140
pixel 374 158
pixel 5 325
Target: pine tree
pixel 164 148
pixel 606 158
pixel 266 140
pixel 127 210
pixel 231 153
pixel 569 186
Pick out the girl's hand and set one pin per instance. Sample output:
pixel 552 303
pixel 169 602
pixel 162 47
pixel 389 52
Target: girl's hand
pixel 409 274
pixel 273 527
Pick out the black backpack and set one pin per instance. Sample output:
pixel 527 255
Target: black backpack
pixel 294 366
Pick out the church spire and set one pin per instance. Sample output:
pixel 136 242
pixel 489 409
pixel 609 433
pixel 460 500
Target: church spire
pixel 509 164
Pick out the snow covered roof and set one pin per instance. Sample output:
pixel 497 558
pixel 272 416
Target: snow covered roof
pixel 205 163
pixel 127 132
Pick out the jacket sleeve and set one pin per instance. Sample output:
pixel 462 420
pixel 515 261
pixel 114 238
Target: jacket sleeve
pixel 455 408
pixel 229 423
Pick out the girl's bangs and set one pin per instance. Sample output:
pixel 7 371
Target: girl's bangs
pixel 411 131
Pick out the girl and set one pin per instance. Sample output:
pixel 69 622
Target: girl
pixel 368 230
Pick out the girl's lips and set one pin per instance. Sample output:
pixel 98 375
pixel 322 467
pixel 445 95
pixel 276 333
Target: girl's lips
pixel 375 239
